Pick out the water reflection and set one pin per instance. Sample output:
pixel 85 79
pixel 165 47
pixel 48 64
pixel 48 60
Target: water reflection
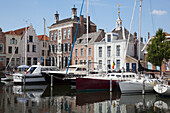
pixel 63 99
pixel 163 104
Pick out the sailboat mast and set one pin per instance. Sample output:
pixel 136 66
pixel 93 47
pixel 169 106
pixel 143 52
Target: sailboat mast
pixel 44 45
pixel 87 39
pixel 26 44
pixel 139 31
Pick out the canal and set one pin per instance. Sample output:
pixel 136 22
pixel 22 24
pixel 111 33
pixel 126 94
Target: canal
pixel 65 99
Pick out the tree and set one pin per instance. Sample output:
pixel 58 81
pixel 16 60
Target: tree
pixel 159 49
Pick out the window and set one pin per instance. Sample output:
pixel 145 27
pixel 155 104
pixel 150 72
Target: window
pixel 42 52
pixel 7 61
pixel 64 61
pixel 55 35
pixel 80 61
pixel 59 46
pixel 100 64
pixel 51 36
pixel 64 47
pixel 108 38
pixel 13 62
pixel 89 51
pixel 118 50
pixel 33 48
pixel 64 36
pixel 55 48
pixel 81 51
pixel 69 34
pixel 157 67
pixel 89 63
pixel 149 65
pixel 100 51
pixel 9 49
pixel 30 38
pixel 76 52
pixel 69 47
pixel 59 34
pixel 52 48
pixel 108 64
pixel 18 61
pixel 1 59
pixel 76 62
pixel 28 48
pixel 1 48
pixel 167 65
pixel 35 61
pixel 16 50
pixel 29 60
pixel 108 51
pixel 117 64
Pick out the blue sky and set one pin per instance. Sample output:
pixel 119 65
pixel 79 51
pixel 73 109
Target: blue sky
pixel 155 14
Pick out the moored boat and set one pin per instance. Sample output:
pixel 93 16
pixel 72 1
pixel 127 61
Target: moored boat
pixel 91 83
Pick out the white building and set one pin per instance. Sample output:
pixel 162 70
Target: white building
pixel 112 49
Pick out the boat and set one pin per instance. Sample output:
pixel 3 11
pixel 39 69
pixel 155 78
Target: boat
pixel 93 83
pixel 60 77
pixel 8 77
pixel 33 75
pixel 137 86
pixel 162 88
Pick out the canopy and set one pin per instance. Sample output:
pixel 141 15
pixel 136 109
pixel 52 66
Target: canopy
pixel 23 66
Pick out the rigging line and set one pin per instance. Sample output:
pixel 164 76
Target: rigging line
pixel 75 36
pixel 151 16
pixel 126 46
pixel 14 52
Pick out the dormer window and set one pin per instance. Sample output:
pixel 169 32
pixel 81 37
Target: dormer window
pixel 109 38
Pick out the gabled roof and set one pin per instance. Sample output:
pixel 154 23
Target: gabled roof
pixel 123 33
pixel 16 32
pixel 41 37
pixel 93 37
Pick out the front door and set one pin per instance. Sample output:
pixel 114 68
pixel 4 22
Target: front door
pixel 134 67
pixel 127 67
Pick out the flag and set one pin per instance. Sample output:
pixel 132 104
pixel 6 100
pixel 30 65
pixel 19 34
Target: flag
pixel 113 65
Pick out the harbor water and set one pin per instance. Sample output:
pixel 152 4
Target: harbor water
pixel 65 99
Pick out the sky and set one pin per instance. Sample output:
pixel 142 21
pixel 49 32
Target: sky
pixel 104 13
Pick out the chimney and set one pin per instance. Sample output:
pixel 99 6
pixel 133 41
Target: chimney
pixel 148 35
pixel 74 12
pixel 56 17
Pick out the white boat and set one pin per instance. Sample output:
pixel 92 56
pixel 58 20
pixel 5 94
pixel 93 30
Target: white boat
pixel 33 75
pixel 137 86
pixel 162 88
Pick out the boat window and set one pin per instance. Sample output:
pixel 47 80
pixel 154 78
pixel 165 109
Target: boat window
pixel 133 75
pixel 32 70
pixel 123 76
pixel 112 75
pixel 108 75
pixel 118 75
pixel 127 76
pixel 78 69
pixel 130 75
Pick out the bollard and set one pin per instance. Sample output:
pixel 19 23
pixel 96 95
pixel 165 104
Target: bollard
pixel 110 85
pixel 51 80
pixel 143 88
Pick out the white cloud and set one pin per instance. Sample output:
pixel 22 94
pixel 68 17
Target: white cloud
pixel 158 12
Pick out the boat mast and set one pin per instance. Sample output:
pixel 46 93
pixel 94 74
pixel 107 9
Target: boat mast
pixel 139 32
pixel 26 44
pixel 44 45
pixel 87 39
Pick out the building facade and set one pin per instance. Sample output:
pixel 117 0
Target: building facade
pixel 61 35
pixel 2 50
pixel 44 49
pixel 79 55
pixel 165 64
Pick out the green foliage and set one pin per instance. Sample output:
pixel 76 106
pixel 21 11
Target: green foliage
pixel 159 49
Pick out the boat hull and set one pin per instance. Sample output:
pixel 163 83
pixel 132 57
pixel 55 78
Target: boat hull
pixel 90 84
pixel 135 86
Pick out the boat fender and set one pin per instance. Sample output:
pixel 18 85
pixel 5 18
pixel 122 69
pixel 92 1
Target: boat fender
pixel 154 83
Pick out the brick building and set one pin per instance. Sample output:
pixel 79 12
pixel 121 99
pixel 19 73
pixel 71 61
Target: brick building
pixel 2 50
pixel 165 64
pixel 80 49
pixel 61 35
